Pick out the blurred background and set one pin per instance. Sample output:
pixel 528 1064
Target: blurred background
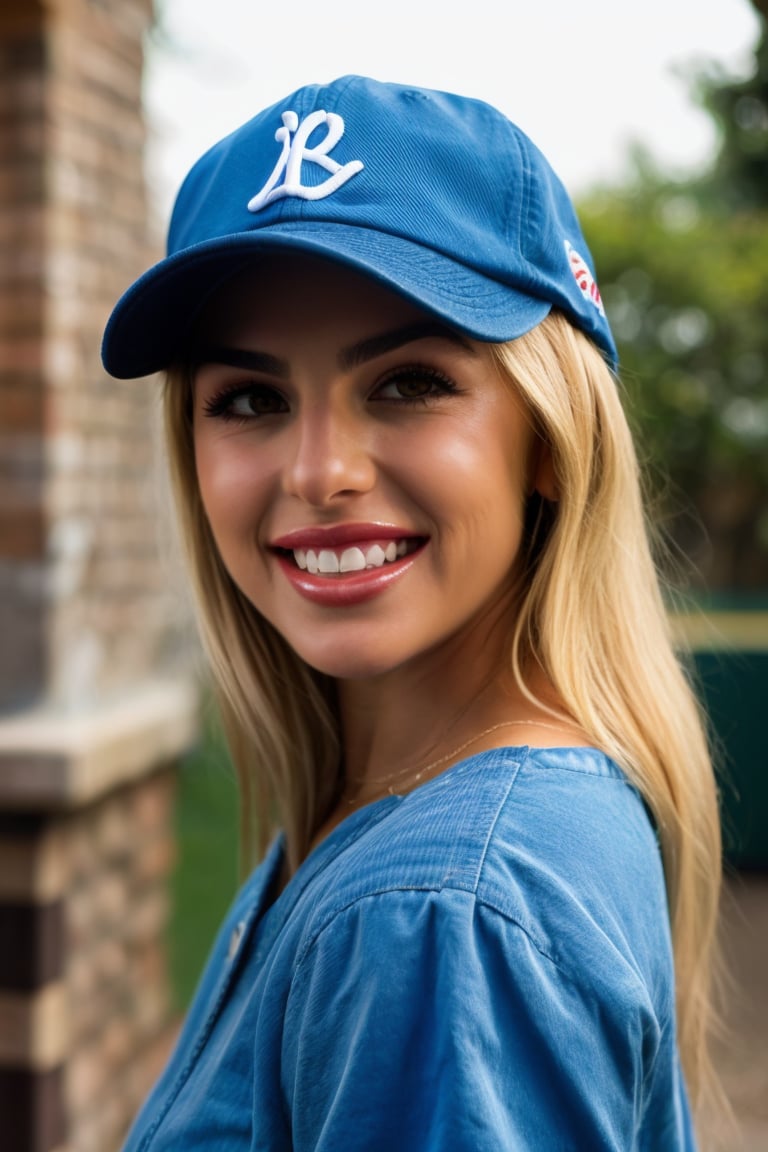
pixel 118 809
pixel 653 118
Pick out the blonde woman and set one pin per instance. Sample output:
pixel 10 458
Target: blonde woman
pixel 413 520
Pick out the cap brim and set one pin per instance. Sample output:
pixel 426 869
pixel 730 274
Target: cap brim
pixel 149 328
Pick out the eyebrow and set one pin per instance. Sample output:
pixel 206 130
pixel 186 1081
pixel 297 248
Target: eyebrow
pixel 243 358
pixel 350 357
pixel 375 346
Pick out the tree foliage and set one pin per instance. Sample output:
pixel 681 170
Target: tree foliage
pixel 739 179
pixel 684 274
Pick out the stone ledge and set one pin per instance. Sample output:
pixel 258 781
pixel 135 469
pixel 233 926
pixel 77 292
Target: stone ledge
pixel 52 761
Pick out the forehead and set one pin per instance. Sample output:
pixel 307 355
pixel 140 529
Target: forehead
pixel 291 294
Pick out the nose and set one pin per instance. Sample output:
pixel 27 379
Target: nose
pixel 330 459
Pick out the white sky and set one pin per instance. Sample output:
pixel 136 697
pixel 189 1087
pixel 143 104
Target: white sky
pixel 583 78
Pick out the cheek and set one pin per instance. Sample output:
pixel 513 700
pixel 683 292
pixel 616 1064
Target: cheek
pixel 473 489
pixel 232 483
pixel 500 493
pixel 491 471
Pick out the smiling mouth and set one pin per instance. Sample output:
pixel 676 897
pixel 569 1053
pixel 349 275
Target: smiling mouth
pixel 355 558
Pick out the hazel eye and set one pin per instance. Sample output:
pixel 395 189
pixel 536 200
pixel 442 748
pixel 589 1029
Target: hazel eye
pixel 411 387
pixel 414 383
pixel 258 402
pixel 246 403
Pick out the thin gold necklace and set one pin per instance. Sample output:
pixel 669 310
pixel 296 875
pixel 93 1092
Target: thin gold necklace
pixel 414 779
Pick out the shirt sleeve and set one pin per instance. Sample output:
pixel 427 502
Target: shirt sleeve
pixel 428 1021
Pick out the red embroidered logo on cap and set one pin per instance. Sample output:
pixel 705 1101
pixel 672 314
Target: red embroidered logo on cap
pixel 584 278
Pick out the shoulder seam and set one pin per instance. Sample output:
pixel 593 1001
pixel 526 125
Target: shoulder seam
pixel 492 826
pixel 565 970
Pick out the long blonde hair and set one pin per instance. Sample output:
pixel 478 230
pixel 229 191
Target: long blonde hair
pixel 592 615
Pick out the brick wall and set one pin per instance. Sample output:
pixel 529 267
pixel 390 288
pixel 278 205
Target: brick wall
pixel 84 1006
pixel 84 597
pixel 86 852
pixel 94 713
pixel 110 608
pixel 23 608
pixel 115 913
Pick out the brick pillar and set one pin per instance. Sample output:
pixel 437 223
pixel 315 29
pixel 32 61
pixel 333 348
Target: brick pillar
pixel 82 600
pixel 86 847
pixel 93 711
pixel 23 606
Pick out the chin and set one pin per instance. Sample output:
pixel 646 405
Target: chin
pixel 355 664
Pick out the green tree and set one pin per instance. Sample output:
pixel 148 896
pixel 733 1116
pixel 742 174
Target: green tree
pixel 684 274
pixel 739 179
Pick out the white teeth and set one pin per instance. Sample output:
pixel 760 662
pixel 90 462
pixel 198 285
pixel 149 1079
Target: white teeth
pixel 352 560
pixel 375 557
pixel 326 562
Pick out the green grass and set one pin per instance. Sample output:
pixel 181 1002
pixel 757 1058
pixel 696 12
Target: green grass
pixel 206 874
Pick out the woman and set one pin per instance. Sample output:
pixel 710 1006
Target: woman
pixel 413 518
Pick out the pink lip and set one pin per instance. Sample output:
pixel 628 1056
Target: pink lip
pixel 344 591
pixel 339 535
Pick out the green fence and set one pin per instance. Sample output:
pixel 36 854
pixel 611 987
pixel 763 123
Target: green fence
pixel 729 643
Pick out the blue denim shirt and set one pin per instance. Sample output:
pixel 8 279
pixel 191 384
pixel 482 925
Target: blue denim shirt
pixel 482 964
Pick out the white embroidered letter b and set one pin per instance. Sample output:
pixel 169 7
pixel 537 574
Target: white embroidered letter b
pixel 295 153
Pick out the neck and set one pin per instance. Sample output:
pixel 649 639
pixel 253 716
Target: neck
pixel 399 732
pixel 399 716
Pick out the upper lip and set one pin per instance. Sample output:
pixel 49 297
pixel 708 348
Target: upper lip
pixel 339 535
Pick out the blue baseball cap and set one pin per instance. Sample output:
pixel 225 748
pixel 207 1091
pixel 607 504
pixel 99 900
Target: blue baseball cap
pixel 438 196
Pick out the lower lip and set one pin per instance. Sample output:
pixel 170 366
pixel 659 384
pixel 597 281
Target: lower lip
pixel 344 591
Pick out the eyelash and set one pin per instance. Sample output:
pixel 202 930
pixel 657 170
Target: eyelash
pixel 220 405
pixel 442 384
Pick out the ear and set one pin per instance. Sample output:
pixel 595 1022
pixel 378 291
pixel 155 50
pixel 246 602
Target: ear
pixel 543 479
